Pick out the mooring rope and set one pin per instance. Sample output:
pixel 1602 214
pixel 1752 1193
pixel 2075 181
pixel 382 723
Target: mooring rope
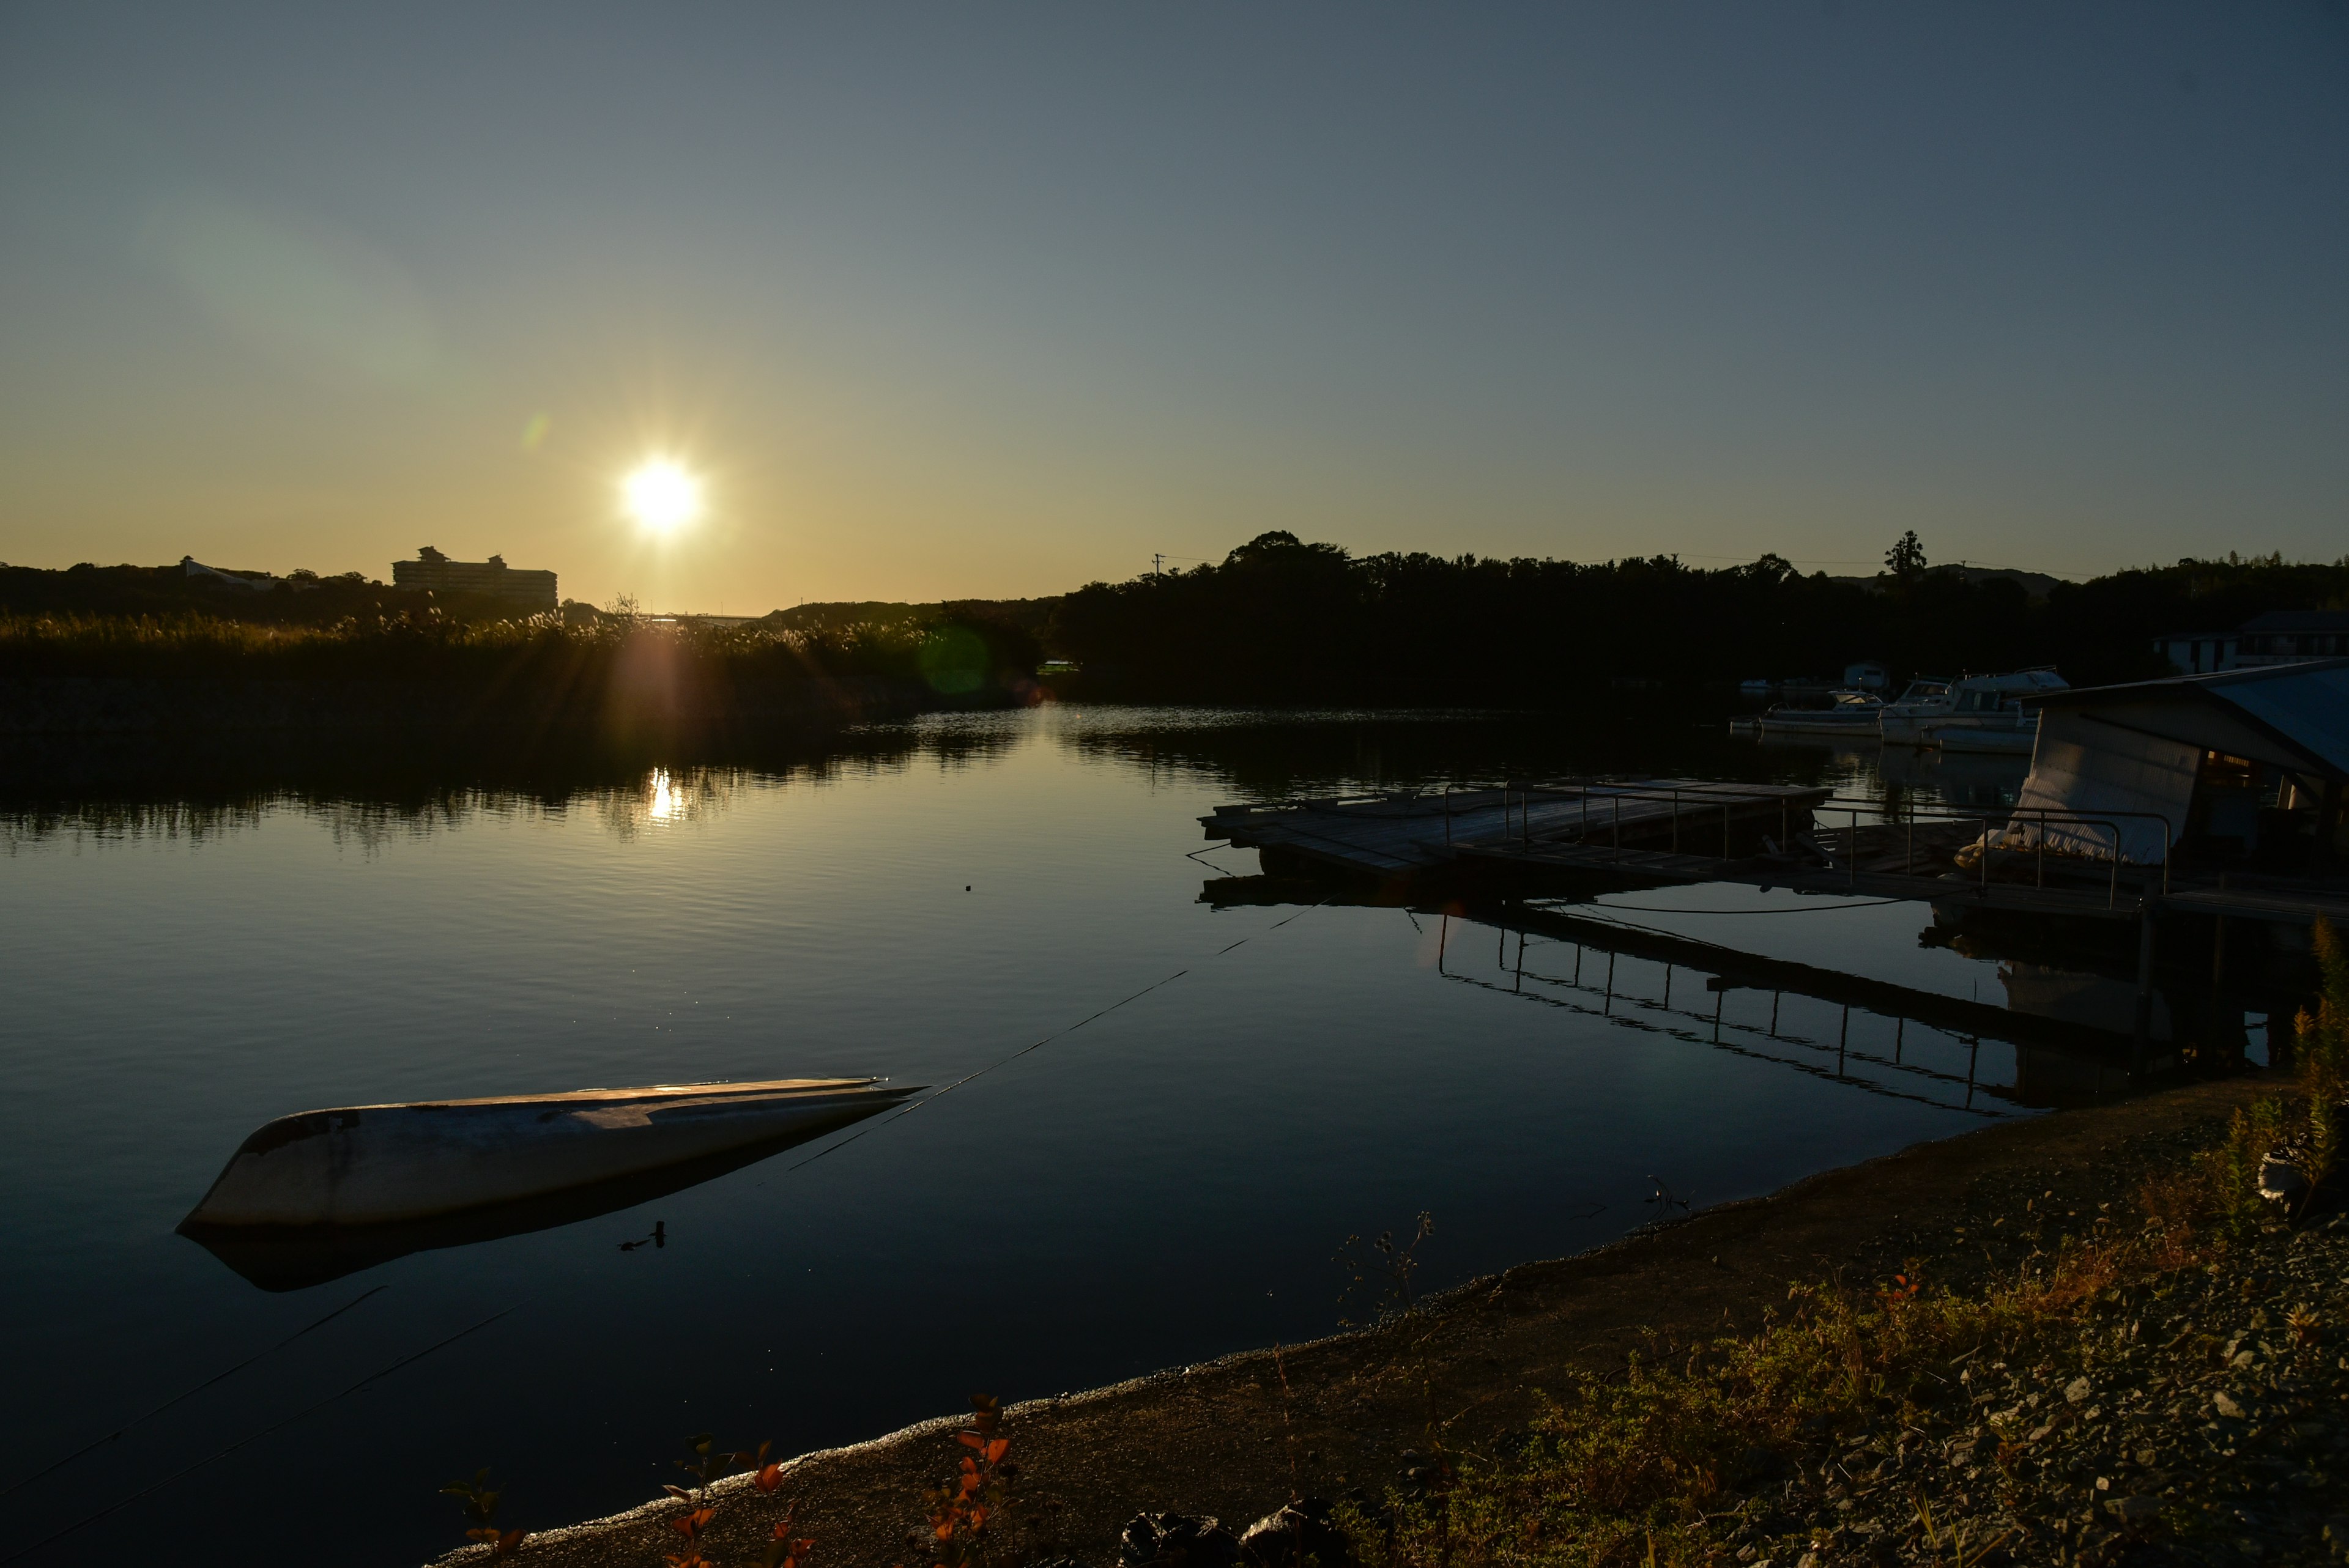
pixel 1793 909
pixel 1039 1044
pixel 246 1442
pixel 186 1394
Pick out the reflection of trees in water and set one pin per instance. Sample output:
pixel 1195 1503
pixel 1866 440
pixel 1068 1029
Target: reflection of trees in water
pixel 76 823
pixel 1269 754
pixel 368 794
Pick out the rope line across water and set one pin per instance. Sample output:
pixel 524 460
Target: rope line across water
pixel 246 1442
pixel 1038 1045
pixel 1796 909
pixel 186 1394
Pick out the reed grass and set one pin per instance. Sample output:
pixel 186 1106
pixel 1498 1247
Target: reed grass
pixel 544 650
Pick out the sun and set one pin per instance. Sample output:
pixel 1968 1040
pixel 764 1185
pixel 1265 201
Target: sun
pixel 661 494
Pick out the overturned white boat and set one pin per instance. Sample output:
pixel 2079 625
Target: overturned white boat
pixel 381 1164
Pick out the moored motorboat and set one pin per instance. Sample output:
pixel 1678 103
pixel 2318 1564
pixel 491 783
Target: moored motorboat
pixel 383 1164
pixel 1852 716
pixel 1929 709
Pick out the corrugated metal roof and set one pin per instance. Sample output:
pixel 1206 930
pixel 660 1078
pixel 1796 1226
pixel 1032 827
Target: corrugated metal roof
pixel 2306 706
pixel 2298 621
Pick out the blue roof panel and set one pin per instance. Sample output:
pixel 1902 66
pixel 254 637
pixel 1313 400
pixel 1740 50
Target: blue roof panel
pixel 2306 704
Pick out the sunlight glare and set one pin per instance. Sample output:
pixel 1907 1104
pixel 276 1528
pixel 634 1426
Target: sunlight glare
pixel 661 495
pixel 664 801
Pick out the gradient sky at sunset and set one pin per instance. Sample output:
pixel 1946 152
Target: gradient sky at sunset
pixel 992 299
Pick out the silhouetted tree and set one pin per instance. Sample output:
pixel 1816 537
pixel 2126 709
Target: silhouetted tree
pixel 1905 559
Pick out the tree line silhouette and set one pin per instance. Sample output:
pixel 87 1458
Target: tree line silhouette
pixel 1280 621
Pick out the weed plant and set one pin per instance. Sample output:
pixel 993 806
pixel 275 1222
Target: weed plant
pixel 1622 1470
pixel 1380 1280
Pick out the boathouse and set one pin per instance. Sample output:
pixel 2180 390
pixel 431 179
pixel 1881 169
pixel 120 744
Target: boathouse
pixel 2278 637
pixel 2239 765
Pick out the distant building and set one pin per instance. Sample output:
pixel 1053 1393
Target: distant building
pixel 2278 637
pixel 2197 653
pixel 490 579
pixel 2291 636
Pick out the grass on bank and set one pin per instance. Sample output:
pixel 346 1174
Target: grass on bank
pixel 544 652
pixel 1643 1468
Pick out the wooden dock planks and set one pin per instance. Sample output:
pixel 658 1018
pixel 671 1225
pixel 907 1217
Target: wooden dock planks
pixel 1400 833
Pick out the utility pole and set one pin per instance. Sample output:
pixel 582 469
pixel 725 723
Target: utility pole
pixel 1158 565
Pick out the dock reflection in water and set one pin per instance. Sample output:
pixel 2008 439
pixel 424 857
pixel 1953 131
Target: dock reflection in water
pixel 2061 1035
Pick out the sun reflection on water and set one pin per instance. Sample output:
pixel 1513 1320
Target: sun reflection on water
pixel 661 798
pixel 663 802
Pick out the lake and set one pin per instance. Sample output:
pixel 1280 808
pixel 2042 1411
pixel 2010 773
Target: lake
pixel 1222 1095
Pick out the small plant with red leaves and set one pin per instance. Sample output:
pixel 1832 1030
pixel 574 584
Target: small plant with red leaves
pixel 784 1550
pixel 961 1509
pixel 482 1502
pixel 709 1465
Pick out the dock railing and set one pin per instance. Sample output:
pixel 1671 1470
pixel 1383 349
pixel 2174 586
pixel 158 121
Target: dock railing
pixel 1517 798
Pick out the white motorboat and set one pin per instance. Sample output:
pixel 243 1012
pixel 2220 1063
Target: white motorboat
pixel 382 1164
pixel 1929 709
pixel 1852 717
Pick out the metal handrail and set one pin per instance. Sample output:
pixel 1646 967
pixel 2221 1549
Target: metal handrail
pixel 1518 796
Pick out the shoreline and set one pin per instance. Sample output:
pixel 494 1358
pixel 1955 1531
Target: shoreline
pixel 1224 1437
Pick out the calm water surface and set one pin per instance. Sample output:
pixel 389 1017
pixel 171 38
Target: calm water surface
pixel 1167 1183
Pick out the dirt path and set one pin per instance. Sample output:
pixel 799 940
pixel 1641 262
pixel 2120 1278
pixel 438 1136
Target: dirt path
pixel 1219 1437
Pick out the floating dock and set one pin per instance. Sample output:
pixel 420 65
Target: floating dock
pixel 1651 832
pixel 1573 836
pixel 1405 833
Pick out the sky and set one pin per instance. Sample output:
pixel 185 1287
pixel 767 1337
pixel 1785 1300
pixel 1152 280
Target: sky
pixel 994 300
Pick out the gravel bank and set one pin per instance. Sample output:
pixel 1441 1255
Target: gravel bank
pixel 2201 1419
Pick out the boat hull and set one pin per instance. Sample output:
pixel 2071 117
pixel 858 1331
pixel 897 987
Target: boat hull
pixel 2007 741
pixel 381 1164
pixel 1847 729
